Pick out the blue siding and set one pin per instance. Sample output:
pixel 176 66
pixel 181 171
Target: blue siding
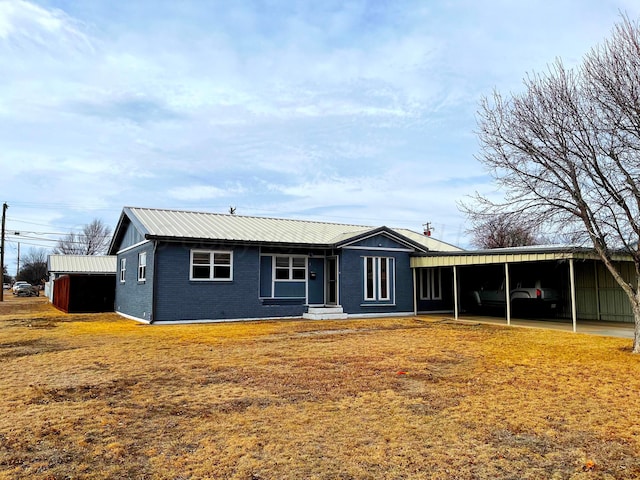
pixel 135 298
pixel 178 298
pixel 352 283
pixel 379 241
pixel 131 237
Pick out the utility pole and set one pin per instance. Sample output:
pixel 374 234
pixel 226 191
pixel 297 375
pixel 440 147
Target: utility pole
pixel 4 216
pixel 18 261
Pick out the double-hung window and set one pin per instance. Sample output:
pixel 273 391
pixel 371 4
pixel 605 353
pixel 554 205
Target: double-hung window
pixel 211 265
pixel 377 278
pixel 290 268
pixel 142 266
pixel 123 269
pixel 430 284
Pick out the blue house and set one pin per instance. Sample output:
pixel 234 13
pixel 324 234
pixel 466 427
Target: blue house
pixel 182 266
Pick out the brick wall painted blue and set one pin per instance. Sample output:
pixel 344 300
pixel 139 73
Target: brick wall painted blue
pixel 446 303
pixel 352 283
pixel 178 298
pixel 133 297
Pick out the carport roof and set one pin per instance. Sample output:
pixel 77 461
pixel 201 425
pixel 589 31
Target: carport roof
pixel 535 253
pixel 96 264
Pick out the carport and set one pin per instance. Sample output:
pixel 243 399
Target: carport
pixel 588 289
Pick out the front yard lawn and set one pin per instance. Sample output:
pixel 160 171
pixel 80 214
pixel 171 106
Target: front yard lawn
pixel 97 396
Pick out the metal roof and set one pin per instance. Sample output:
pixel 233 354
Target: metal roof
pixel 168 224
pixel 534 253
pixel 82 263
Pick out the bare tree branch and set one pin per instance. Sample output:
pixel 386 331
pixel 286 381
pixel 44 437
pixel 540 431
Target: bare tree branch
pixel 566 153
pixel 94 240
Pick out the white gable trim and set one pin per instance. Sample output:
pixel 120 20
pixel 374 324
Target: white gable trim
pixel 381 249
pixel 384 234
pixel 135 245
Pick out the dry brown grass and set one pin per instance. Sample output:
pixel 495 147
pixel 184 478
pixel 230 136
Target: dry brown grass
pixel 96 396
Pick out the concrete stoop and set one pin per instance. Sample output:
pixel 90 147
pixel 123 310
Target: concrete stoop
pixel 325 313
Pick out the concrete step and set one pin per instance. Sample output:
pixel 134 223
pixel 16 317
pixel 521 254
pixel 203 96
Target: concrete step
pixel 325 313
pixel 336 309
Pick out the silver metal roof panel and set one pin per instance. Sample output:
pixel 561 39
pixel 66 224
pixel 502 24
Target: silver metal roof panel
pixel 82 263
pixel 200 225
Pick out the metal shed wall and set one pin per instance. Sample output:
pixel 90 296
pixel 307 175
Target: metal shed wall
pixel 598 296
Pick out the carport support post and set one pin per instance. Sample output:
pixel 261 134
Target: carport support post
pixel 572 280
pixel 415 292
pixel 455 292
pixel 507 293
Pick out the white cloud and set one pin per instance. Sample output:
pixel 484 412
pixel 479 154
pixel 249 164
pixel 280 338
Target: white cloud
pixel 25 25
pixel 357 111
pixel 190 193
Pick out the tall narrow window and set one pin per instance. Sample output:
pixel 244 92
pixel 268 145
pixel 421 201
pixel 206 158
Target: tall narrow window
pixel 384 279
pixel 123 269
pixel 142 266
pixel 211 265
pixel 377 278
pixel 431 284
pixel 370 275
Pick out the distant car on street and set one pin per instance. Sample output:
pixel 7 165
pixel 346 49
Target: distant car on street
pixel 26 290
pixel 6 286
pixel 17 284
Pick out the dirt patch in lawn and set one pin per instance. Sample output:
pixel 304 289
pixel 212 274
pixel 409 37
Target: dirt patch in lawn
pixel 96 396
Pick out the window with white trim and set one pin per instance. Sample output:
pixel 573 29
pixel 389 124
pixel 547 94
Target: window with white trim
pixel 377 278
pixel 211 265
pixel 290 268
pixel 123 269
pixel 142 266
pixel 431 284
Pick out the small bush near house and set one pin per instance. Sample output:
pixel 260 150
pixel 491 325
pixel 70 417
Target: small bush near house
pixel 100 397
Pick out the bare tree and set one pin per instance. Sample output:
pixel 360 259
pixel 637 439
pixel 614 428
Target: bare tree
pixel 94 240
pixel 34 267
pixel 500 231
pixel 565 152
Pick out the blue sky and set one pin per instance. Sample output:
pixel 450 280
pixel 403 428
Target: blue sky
pixel 347 111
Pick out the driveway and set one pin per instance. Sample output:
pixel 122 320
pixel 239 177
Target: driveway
pixel 608 329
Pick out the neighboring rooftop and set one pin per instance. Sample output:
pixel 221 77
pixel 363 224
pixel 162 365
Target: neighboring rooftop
pixel 98 264
pixel 159 223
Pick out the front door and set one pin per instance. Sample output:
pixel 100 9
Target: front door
pixel 331 293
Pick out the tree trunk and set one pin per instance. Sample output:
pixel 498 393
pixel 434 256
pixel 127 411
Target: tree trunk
pixel 635 306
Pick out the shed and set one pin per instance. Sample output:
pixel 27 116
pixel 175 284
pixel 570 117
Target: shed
pixel 82 283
